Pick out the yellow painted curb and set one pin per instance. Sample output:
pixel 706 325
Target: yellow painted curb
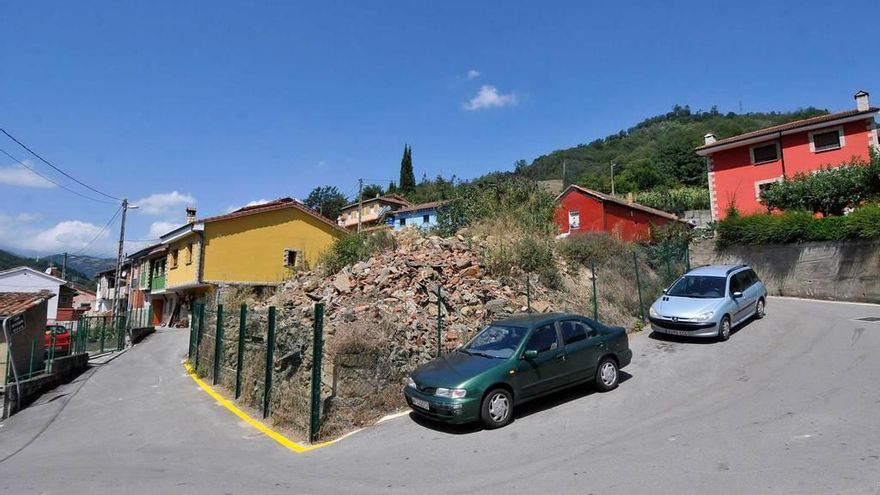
pixel 269 432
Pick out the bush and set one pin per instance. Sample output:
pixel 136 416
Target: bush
pixel 829 190
pixel 676 200
pixel 798 226
pixel 353 248
pixel 589 247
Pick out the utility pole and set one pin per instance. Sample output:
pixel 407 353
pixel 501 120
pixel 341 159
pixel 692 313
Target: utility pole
pixel 360 202
pixel 119 257
pixel 64 267
pixel 612 178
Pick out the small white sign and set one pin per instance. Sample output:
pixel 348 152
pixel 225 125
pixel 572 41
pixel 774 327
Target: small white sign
pixel 574 220
pixel 16 325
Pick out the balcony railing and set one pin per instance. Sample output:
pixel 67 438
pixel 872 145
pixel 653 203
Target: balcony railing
pixel 157 283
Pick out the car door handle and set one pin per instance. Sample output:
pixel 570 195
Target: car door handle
pixel 561 357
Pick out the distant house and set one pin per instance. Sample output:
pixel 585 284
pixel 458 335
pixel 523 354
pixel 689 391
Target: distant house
pixel 583 210
pixel 422 216
pixel 146 301
pixel 740 167
pixel 373 210
pixel 23 322
pixel 258 245
pixel 26 279
pixel 84 299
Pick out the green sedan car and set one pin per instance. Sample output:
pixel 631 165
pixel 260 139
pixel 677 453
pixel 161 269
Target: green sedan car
pixel 516 360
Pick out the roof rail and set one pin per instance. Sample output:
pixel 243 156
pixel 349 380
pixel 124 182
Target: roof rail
pixel 735 267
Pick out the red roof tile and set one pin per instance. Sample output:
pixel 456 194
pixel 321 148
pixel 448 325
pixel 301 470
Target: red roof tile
pixel 277 204
pixel 423 206
pixel 12 303
pixel 789 126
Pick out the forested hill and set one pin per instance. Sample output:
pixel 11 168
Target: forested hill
pixel 10 260
pixel 658 151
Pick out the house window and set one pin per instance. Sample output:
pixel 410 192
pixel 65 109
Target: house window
pixel 291 257
pixel 765 153
pixel 426 219
pixel 174 257
pixel 402 222
pixel 574 220
pixel 188 259
pixel 826 139
pixel 763 185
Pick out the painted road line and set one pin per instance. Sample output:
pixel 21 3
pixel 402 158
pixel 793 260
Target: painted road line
pixel 854 303
pixel 262 427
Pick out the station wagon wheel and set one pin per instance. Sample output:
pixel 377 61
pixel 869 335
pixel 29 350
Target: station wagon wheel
pixel 759 309
pixel 607 375
pixel 497 408
pixel 724 329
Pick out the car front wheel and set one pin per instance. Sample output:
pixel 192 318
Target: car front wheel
pixel 607 375
pixel 724 329
pixel 759 309
pixel 497 408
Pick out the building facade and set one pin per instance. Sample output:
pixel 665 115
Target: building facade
pixel 23 320
pixel 258 245
pixel 742 166
pixel 422 216
pixel 373 211
pixel 26 279
pixel 580 210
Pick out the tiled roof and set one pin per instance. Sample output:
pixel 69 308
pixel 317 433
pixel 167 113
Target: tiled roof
pixel 622 202
pixel 12 303
pixel 788 127
pixel 423 206
pixel 277 204
pixel 388 198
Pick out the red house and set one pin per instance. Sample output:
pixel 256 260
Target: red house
pixel 741 166
pixel 583 210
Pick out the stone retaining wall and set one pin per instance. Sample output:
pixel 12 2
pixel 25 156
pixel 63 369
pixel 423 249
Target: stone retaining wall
pixel 842 270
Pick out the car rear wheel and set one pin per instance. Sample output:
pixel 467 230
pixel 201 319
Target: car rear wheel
pixel 607 375
pixel 759 309
pixel 497 408
pixel 724 329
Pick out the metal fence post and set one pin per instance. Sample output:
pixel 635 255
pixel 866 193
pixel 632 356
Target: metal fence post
pixel 120 333
pixel 242 324
pixel 317 355
pixel 51 352
pixel 528 293
pixel 439 321
pixel 103 331
pixel 595 294
pixel 218 343
pixel 668 267
pixel 639 287
pixel 270 356
pixel 192 330
pixel 199 332
pixel 687 257
pixel 31 364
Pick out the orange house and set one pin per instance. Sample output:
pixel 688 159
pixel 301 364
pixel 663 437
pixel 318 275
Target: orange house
pixel 740 167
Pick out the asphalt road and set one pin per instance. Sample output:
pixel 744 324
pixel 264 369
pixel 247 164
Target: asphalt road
pixel 791 404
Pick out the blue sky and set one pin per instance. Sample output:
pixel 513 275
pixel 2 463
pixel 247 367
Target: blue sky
pixel 221 103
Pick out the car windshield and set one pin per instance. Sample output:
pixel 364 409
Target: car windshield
pixel 496 341
pixel 699 286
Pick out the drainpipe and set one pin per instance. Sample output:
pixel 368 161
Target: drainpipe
pixel 781 153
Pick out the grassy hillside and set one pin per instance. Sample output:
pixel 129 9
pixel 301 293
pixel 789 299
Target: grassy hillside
pixel 657 152
pixel 10 260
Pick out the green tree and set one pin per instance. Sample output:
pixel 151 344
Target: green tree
pixel 327 201
pixel 407 176
pixel 372 190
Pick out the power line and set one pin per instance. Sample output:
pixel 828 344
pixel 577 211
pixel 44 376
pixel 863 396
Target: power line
pixel 100 232
pixel 62 172
pixel 62 186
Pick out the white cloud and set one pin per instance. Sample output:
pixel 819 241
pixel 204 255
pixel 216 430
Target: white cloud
pixel 488 97
pixel 69 235
pixel 255 202
pixel 163 203
pixel 473 74
pixel 17 175
pixel 158 229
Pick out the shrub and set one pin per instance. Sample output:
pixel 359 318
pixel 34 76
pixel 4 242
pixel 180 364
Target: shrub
pixel 353 248
pixel 798 226
pixel 676 200
pixel 589 247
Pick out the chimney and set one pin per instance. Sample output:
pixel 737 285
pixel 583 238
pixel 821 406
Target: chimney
pixel 190 215
pixel 709 138
pixel 862 104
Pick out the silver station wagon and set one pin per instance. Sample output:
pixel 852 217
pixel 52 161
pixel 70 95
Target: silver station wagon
pixel 708 301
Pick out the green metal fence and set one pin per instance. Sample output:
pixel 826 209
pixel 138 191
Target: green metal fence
pixel 100 334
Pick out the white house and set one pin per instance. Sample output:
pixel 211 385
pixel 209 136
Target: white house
pixel 26 279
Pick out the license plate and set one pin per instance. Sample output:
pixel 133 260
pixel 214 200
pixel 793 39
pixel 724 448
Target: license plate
pixel 421 403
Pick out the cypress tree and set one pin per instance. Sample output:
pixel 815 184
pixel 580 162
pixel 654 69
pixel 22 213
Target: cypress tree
pixel 407 177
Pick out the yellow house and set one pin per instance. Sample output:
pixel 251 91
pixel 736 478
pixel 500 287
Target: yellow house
pixel 372 210
pixel 255 245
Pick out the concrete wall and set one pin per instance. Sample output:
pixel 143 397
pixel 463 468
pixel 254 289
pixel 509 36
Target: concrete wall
pixel 846 271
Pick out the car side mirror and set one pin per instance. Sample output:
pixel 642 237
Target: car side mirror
pixel 530 354
pixel 737 294
pixel 665 290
